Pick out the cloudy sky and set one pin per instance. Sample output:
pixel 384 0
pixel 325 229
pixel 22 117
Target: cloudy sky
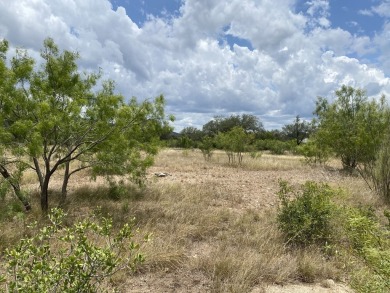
pixel 269 58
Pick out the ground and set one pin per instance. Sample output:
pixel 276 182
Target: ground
pixel 255 189
pixel 213 225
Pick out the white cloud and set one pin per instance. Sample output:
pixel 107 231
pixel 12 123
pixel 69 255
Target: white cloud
pixel 295 57
pixel 382 9
pixel 382 40
pixel 366 12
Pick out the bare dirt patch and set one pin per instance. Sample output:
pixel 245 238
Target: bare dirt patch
pixel 253 188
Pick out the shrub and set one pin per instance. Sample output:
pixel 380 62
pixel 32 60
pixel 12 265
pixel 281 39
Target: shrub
pixel 255 154
pixel 235 142
pixel 206 146
pixel 276 147
pixel 314 152
pixel 304 216
pixel 376 173
pixel 371 243
pixel 117 190
pixel 70 259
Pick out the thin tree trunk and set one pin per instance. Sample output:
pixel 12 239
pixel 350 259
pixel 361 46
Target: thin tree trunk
pixel 64 190
pixel 38 171
pixel 45 195
pixel 16 187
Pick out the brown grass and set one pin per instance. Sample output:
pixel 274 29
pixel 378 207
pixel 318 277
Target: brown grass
pixel 213 226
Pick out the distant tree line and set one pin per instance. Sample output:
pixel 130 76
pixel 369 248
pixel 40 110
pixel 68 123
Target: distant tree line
pixel 353 128
pixel 276 141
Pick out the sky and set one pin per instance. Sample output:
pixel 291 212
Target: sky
pixel 268 58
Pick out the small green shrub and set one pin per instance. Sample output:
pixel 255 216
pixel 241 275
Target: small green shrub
pixel 255 154
pixel 304 216
pixel 314 153
pixel 276 147
pixel 117 190
pixel 206 146
pixel 370 243
pixel 70 259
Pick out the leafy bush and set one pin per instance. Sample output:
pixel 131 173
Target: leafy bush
pixel 314 152
pixel 371 243
pixel 235 142
pixel 117 190
pixel 255 154
pixel 304 216
pixel 352 125
pixel 70 259
pixel 276 147
pixel 206 146
pixel 376 173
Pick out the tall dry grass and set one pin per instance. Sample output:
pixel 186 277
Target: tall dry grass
pixel 198 228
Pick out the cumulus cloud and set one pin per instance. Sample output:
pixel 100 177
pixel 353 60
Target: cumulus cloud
pixel 293 58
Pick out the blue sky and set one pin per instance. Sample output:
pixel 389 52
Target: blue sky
pixel 269 58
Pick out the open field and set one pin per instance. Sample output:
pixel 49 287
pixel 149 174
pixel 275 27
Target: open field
pixel 214 226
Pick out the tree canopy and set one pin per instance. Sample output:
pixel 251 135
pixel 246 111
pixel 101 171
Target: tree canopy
pixel 54 117
pixel 249 123
pixel 351 126
pixel 298 130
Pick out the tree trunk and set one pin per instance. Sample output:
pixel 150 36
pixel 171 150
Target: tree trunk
pixel 16 187
pixel 64 190
pixel 45 195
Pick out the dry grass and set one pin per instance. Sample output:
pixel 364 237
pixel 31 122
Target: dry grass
pixel 213 226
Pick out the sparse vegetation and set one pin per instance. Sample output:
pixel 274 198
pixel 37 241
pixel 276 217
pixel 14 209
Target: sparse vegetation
pixel 215 228
pixel 207 229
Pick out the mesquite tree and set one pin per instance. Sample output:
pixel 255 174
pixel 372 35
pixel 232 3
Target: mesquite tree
pixel 53 118
pixel 351 126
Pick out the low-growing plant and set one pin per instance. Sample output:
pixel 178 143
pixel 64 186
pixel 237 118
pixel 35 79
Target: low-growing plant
pixel 255 154
pixel 70 259
pixel 304 216
pixel 370 243
pixel 117 190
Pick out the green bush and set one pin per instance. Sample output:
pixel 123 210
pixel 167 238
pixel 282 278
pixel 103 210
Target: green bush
pixel 255 154
pixel 206 146
pixel 117 190
pixel 70 259
pixel 314 152
pixel 276 147
pixel 304 216
pixel 371 243
pixel 376 172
